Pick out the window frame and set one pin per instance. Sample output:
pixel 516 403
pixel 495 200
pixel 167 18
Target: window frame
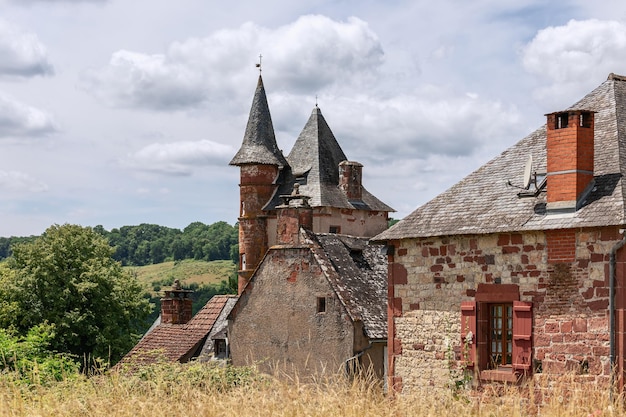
pixel 474 332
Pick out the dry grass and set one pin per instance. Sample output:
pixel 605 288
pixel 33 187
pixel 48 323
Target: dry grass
pixel 204 390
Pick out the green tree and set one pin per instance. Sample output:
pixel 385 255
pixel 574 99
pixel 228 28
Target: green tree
pixel 68 278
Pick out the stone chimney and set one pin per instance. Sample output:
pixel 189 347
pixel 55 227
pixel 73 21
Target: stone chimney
pixel 294 213
pixel 350 180
pixel 176 305
pixel 570 158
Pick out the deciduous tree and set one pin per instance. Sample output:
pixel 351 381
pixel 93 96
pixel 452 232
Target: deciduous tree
pixel 68 278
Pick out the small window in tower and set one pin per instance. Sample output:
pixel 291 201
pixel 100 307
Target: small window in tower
pixel 242 261
pixel 321 304
pixel 561 121
pixel 334 229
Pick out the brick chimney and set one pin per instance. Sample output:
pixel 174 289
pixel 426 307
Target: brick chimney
pixel 350 180
pixel 176 305
pixel 570 158
pixel 293 213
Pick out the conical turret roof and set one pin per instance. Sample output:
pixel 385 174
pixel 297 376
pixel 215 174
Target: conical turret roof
pixel 259 143
pixel 316 151
pixel 314 164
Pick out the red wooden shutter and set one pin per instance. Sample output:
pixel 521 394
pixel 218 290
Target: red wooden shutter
pixel 522 335
pixel 468 325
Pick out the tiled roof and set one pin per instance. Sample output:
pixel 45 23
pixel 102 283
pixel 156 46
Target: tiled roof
pixel 357 272
pixel 259 143
pixel 177 342
pixel 483 202
pixel 314 163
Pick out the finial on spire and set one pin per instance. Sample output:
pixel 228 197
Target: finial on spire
pixel 259 64
pixel 316 100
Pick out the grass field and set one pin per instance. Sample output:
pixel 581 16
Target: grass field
pixel 187 271
pixel 209 390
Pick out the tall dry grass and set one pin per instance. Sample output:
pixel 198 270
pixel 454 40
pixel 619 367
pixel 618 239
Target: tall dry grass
pixel 208 390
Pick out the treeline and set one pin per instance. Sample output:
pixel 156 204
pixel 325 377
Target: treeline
pixel 151 244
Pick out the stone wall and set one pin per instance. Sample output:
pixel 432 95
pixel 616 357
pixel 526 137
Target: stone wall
pixel 276 323
pixel 430 277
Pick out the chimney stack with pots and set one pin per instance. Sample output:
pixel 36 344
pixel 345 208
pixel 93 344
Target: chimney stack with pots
pixel 293 213
pixel 570 142
pixel 176 305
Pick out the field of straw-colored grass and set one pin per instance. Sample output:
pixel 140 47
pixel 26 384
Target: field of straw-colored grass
pixel 206 390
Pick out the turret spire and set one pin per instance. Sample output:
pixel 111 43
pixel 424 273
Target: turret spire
pixel 259 143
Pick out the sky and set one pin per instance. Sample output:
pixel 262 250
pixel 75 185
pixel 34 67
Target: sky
pixel 118 112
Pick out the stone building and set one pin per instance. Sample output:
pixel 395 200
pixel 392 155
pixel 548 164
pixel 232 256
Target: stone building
pixel 312 292
pixel 518 270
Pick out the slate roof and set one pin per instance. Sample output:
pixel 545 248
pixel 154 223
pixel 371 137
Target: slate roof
pixel 357 272
pixel 259 143
pixel 314 164
pixel 483 202
pixel 177 342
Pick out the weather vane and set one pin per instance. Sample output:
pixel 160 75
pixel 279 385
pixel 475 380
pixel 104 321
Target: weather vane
pixel 259 64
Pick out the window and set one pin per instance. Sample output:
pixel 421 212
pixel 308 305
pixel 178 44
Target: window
pixel 496 336
pixel 334 229
pixel 500 333
pixel 321 304
pixel 220 349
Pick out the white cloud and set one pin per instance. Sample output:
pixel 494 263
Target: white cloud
pixel 198 70
pixel 21 120
pixel 575 57
pixel 19 181
pixel 429 122
pixel 21 53
pixel 149 81
pixel 179 158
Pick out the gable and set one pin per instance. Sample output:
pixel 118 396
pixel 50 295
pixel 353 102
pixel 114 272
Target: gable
pixel 486 202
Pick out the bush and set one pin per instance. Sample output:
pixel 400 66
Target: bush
pixel 28 359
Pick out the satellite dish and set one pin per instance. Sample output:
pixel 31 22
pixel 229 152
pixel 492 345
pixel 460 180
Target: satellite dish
pixel 528 172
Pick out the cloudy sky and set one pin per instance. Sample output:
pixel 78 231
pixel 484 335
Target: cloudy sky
pixel 119 112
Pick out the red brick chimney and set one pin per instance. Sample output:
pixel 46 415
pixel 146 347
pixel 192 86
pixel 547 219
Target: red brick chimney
pixel 293 214
pixel 570 158
pixel 176 305
pixel 350 180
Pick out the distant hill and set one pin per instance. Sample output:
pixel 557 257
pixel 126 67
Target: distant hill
pixel 191 273
pixel 205 279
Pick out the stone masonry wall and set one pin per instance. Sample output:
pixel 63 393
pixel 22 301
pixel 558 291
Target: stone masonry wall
pixel 430 277
pixel 277 326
